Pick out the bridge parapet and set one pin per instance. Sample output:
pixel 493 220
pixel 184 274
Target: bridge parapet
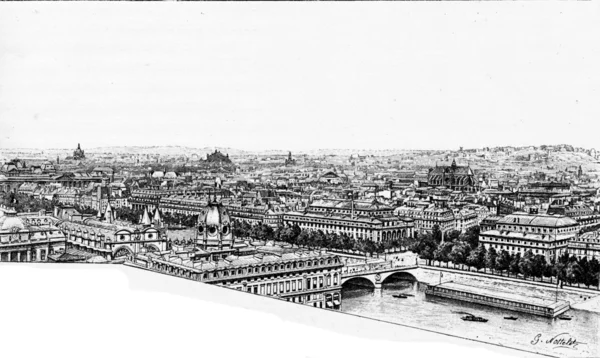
pixel 379 274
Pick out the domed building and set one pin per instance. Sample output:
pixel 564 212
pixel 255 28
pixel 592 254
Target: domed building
pixel 214 228
pixel 28 237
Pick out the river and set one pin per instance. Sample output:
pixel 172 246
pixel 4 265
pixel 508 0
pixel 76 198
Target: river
pixel 529 332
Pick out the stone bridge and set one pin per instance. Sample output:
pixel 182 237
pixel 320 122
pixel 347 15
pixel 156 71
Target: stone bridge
pixel 378 273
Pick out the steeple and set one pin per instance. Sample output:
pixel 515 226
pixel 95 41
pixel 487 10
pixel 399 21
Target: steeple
pixel 109 213
pixel 157 219
pixel 146 218
pixel 453 163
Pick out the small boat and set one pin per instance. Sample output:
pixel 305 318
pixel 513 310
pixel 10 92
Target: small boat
pixel 474 319
pixel 512 318
pixel 400 296
pixel 565 317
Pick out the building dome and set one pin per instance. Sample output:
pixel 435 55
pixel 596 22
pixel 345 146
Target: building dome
pixel 214 227
pixel 11 223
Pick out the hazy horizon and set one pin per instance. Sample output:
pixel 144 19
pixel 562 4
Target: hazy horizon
pixel 278 149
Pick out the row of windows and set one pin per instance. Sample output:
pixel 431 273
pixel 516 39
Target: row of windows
pixel 518 249
pixel 536 229
pixel 267 268
pixel 290 286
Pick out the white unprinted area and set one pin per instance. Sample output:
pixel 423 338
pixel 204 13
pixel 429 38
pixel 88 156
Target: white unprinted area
pixel 73 310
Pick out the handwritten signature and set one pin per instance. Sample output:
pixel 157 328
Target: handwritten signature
pixel 561 340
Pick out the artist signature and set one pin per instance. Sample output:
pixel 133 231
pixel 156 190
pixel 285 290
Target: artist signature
pixel 561 340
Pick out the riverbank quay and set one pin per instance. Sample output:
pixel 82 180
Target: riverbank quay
pixel 499 298
pixel 436 275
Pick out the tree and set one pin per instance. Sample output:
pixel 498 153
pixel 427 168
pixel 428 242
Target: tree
pixel 573 273
pixel 442 252
pixel 539 266
pixel 560 267
pixel 436 233
pixel 452 235
pixel 425 247
pixel 477 257
pixel 585 277
pixel 490 259
pixel 514 264
pixel 303 238
pixel 460 252
pixel 526 263
pixel 471 236
pixel 503 261
pixel 594 272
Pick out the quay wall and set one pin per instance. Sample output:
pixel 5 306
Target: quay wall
pixel 543 290
pixel 488 300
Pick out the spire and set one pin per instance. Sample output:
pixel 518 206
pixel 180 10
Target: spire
pixel 146 218
pixel 109 213
pixel 157 219
pixel 454 163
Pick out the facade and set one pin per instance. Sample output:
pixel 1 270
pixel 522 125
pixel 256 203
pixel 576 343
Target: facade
pixel 453 177
pixel 28 237
pixel 365 221
pixel 426 218
pixel 465 219
pixel 306 277
pixel 546 235
pixel 267 214
pixel 89 237
pixel 583 214
pixel 586 245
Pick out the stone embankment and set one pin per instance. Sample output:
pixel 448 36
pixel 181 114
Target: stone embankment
pixel 577 298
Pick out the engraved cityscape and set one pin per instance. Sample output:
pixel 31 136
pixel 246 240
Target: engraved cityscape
pixel 493 244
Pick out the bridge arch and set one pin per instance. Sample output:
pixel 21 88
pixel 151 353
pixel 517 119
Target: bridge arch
pixel 398 275
pixel 359 281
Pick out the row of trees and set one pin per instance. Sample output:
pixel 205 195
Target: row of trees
pixel 24 203
pixel 315 239
pixel 463 250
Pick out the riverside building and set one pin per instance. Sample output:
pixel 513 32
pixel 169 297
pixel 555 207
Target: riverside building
pixel 216 257
pixel 547 235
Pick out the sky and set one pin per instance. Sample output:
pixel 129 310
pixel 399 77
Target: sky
pixel 299 76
